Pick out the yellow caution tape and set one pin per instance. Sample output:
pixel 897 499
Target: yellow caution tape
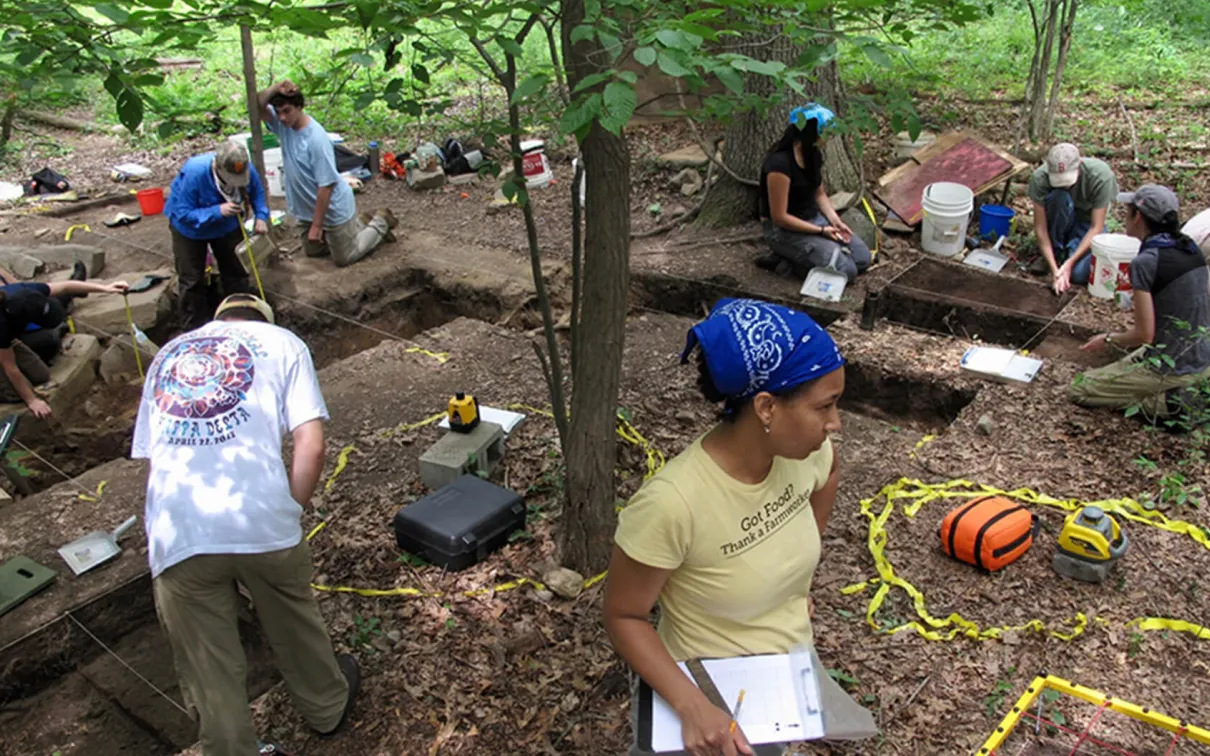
pixel 315 530
pixel 341 462
pixel 405 427
pixel 97 497
pixel 71 325
pixel 473 593
pixel 134 337
pixel 72 229
pixel 626 431
pixel 252 260
pixel 877 234
pixel 920 444
pixel 441 357
pixel 917 494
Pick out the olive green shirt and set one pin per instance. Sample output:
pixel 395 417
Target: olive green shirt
pixel 1095 188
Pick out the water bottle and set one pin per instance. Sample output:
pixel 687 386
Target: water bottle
pixel 374 158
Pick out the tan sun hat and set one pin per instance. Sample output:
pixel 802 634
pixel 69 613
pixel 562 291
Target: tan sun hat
pixel 246 302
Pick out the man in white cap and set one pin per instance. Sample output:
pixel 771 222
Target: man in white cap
pixel 223 509
pixel 1168 347
pixel 204 210
pixel 1071 197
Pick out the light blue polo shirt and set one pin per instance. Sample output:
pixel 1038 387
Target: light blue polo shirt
pixel 310 162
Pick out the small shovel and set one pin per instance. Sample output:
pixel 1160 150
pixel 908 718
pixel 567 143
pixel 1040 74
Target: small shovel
pixel 95 549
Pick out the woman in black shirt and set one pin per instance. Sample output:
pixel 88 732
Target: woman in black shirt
pixel 801 227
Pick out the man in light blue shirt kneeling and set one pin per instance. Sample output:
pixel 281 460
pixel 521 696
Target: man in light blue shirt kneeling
pixel 315 192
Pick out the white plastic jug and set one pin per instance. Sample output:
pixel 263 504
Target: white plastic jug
pixel 947 212
pixel 1111 256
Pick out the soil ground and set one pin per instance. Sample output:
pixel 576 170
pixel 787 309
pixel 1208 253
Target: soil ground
pixel 521 671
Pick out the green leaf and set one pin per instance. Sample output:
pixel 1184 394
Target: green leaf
pixel 113 13
pixel 127 100
pixel 630 77
pixel 611 45
pixel 420 73
pixel 578 117
pixel 672 67
pixel 878 56
pixel 590 81
pixel 620 102
pixel 362 59
pixel 149 80
pixel 510 47
pixel 158 4
pixel 529 87
pixel 645 56
pixel 671 38
pixel 730 78
pixel 581 33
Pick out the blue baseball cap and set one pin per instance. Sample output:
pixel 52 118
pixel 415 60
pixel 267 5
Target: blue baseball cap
pixel 812 111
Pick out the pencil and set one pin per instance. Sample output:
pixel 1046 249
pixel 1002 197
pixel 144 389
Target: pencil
pixel 735 717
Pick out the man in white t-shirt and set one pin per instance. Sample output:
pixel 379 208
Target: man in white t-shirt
pixel 222 509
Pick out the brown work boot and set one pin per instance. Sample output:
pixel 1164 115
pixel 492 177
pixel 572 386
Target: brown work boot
pixel 391 220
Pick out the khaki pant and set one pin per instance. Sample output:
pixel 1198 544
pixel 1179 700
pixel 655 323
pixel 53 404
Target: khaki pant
pixel 198 603
pixel 348 242
pixel 30 365
pixel 1129 382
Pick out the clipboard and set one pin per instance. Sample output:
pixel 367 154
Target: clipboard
pixel 826 711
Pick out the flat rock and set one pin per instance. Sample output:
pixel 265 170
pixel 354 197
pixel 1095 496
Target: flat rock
pixel 64 255
pixel 420 180
pixel 860 223
pixel 107 312
pixel 118 364
pixel 21 264
pixel 564 582
pixel 689 156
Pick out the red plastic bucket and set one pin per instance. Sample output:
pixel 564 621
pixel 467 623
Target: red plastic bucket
pixel 151 201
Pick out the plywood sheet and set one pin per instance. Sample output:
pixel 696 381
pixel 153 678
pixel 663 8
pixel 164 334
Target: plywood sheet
pixel 969 162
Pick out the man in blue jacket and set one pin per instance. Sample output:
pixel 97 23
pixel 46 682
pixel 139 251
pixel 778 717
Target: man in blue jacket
pixel 204 210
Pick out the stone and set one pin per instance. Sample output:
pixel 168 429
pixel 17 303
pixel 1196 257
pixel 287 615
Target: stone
pixel 984 426
pixel 860 223
pixel 456 454
pixel 463 178
pixel 689 156
pixel 564 582
pixel 64 255
pixel 686 417
pixel 689 181
pixel 41 232
pixel 107 312
pixel 420 180
pixel 73 371
pixel 118 364
pixel 543 595
pixel 22 265
pixel 841 199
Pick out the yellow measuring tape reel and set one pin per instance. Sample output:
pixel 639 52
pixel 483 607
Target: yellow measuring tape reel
pixel 916 494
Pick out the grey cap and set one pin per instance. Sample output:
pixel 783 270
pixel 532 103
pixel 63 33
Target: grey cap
pixel 231 164
pixel 1156 202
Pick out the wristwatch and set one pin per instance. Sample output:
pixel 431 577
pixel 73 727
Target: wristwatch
pixel 1109 339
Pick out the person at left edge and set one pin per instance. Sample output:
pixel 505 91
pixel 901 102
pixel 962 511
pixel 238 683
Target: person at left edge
pixel 204 211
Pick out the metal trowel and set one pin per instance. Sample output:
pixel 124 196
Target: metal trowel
pixel 95 549
pixel 145 283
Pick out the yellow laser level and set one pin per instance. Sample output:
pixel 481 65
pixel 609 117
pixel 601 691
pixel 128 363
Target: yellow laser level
pixel 464 413
pixel 1090 544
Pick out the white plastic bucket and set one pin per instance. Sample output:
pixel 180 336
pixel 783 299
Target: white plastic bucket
pixel 274 173
pixel 1111 256
pixel 946 208
pixel 534 163
pixel 904 147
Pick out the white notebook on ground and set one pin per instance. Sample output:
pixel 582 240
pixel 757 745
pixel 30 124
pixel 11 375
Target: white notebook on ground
pixel 781 700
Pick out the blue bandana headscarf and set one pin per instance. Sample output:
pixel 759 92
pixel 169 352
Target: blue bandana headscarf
pixel 752 346
pixel 812 111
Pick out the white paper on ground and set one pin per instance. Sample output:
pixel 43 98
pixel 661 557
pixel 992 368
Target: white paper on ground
pixel 781 700
pixel 505 419
pixel 1004 364
pixel 133 169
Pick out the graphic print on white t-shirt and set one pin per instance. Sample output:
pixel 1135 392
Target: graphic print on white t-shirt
pixel 216 403
pixel 201 387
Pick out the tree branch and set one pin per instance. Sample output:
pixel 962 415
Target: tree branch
pixel 489 60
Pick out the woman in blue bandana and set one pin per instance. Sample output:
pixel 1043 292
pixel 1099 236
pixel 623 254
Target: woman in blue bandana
pixel 726 536
pixel 801 226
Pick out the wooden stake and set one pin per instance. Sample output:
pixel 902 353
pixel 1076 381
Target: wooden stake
pixel 258 144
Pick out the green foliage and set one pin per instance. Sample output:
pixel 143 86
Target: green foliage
pixel 364 632
pixel 995 699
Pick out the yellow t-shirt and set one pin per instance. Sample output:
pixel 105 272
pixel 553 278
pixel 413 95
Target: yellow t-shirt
pixel 742 555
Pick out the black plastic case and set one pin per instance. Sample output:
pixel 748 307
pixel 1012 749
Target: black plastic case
pixel 461 523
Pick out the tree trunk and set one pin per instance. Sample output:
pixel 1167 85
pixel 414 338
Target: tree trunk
pixel 1056 84
pixel 1037 98
pixel 585 537
pixel 6 123
pixel 258 143
pixel 750 135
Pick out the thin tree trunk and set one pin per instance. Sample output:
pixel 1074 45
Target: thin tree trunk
pixel 258 142
pixel 1038 96
pixel 1056 84
pixel 750 135
pixel 577 249
pixel 585 535
pixel 553 44
pixel 6 123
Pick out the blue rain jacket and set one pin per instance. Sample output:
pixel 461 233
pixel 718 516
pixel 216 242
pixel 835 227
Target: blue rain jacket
pixel 193 206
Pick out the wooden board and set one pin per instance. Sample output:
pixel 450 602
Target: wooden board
pixel 938 147
pixel 968 163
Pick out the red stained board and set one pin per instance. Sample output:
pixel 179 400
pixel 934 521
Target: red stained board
pixel 968 163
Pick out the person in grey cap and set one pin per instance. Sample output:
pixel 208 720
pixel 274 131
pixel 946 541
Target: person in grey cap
pixel 1071 197
pixel 204 210
pixel 1168 347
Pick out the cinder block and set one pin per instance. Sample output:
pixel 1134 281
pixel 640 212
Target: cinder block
pixel 64 255
pixel 477 452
